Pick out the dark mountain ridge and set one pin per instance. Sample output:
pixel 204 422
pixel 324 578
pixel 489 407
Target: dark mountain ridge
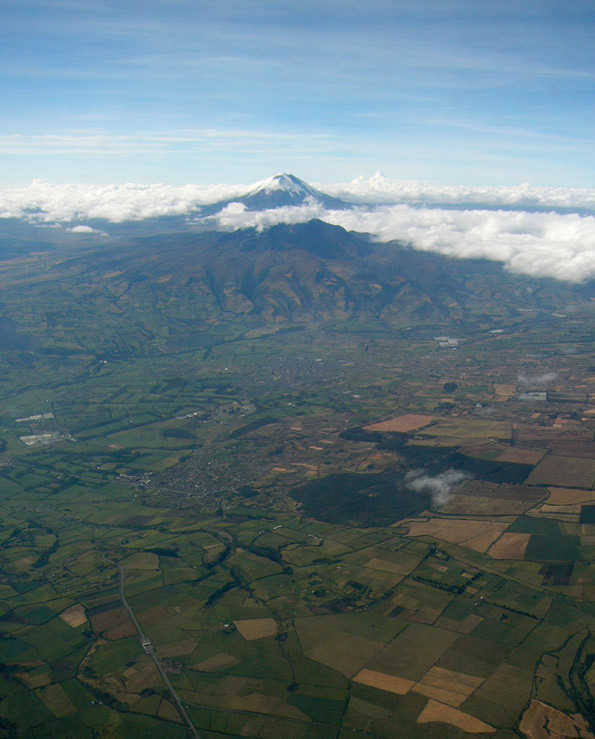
pixel 121 298
pixel 173 289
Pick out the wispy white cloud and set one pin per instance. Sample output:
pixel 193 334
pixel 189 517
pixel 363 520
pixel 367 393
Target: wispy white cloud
pixel 101 142
pixel 385 81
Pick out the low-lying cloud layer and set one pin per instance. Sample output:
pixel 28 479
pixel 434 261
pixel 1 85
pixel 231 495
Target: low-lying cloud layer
pixel 379 189
pixel 118 203
pixel 535 244
pixel 44 202
pixel 559 245
pixel 235 216
pixel 439 486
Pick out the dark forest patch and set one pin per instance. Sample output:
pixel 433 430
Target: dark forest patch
pixel 161 552
pixel 587 514
pixel 252 426
pixel 556 574
pixel 361 500
pixel 178 433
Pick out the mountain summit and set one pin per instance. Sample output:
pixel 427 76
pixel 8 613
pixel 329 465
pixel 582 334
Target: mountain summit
pixel 288 183
pixel 280 191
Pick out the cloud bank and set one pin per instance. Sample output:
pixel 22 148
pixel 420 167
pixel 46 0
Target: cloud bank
pixel 534 244
pixel 381 190
pixel 558 245
pixel 44 202
pixel 117 203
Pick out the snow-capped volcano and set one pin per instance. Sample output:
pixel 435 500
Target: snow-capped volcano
pixel 280 191
pixel 287 183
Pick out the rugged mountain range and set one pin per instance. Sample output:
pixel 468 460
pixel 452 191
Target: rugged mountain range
pixel 167 283
pixel 171 290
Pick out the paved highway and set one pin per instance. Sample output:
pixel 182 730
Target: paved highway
pixel 148 647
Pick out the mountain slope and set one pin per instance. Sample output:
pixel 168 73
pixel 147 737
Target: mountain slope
pixel 167 291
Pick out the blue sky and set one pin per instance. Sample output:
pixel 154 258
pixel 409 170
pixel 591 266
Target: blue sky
pixel 455 91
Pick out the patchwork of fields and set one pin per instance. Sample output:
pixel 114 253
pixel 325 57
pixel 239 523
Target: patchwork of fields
pixel 319 540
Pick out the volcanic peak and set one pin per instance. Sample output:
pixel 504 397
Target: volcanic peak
pixel 288 183
pixel 284 190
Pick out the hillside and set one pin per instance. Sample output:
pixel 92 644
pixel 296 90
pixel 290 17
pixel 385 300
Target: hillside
pixel 152 294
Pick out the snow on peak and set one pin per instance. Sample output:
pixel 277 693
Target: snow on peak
pixel 283 182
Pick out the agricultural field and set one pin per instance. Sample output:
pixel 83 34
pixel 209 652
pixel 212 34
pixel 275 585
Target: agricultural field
pixel 316 538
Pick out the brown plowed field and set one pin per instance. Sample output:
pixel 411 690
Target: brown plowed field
pixel 435 711
pixel 403 424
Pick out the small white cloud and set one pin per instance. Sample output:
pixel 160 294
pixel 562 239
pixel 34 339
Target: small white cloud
pixel 232 209
pixel 536 381
pixel 83 230
pixel 439 486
